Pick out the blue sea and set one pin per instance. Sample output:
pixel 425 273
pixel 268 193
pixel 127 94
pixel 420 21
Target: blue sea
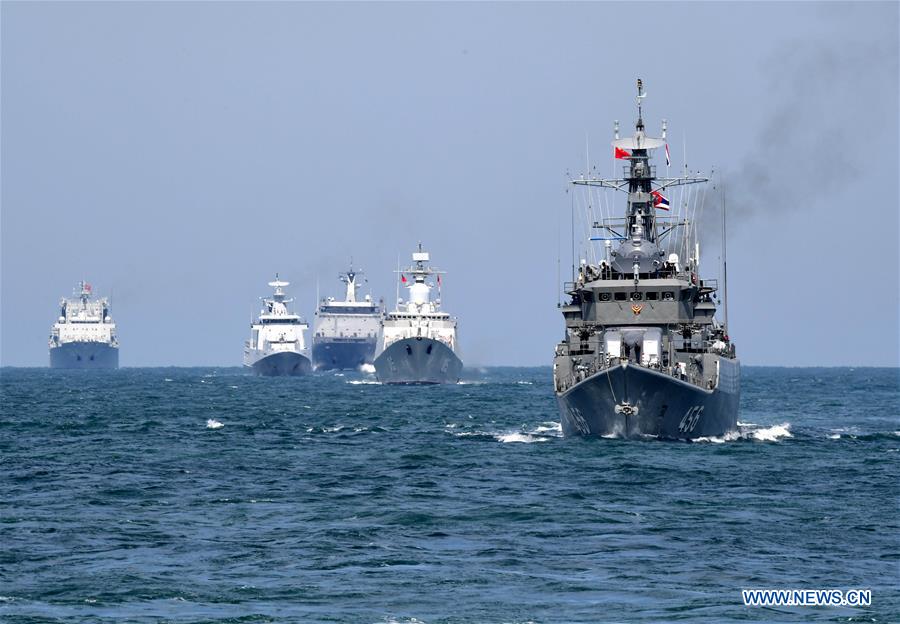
pixel 207 495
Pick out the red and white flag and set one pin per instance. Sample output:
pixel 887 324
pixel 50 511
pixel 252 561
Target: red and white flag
pixel 668 160
pixel 659 201
pixel 620 153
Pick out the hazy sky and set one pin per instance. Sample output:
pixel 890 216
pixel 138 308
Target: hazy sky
pixel 179 154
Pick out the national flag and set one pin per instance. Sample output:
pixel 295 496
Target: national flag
pixel 620 153
pixel 402 278
pixel 659 201
pixel 668 160
pixel 439 280
pixel 87 287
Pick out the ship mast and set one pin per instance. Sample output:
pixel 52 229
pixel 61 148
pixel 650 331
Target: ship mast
pixel 644 191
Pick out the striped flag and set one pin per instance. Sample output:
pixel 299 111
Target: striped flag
pixel 659 201
pixel 668 160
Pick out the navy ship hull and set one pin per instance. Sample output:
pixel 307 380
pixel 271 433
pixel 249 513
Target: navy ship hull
pixel 342 353
pixel 285 363
pixel 84 355
pixel 418 361
pixel 631 401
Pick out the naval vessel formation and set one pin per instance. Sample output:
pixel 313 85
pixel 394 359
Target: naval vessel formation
pixel 414 344
pixel 642 354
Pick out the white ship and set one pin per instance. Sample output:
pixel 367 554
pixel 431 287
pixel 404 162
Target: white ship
pixel 418 342
pixel 277 344
pixel 345 333
pixel 84 336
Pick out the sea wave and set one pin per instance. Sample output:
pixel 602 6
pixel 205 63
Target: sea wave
pixel 770 434
pixel 753 432
pixel 516 436
pixel 544 432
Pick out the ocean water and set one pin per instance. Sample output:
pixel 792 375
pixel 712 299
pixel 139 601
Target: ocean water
pixel 207 495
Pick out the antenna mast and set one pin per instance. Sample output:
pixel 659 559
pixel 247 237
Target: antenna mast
pixel 724 258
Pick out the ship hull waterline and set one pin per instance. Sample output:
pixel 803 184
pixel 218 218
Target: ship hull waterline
pixel 337 354
pixel 418 361
pixel 84 355
pixel 283 364
pixel 630 401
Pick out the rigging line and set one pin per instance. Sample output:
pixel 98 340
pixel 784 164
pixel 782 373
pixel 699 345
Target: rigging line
pixel 573 236
pixel 689 219
pixel 559 260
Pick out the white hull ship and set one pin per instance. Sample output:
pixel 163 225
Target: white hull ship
pixel 277 344
pixel 345 333
pixel 84 335
pixel 643 353
pixel 418 340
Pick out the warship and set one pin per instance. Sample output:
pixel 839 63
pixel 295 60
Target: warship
pixel 84 335
pixel 643 353
pixel 277 344
pixel 345 333
pixel 418 340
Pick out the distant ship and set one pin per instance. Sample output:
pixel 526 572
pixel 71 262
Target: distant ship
pixel 345 333
pixel 418 341
pixel 277 344
pixel 643 354
pixel 84 336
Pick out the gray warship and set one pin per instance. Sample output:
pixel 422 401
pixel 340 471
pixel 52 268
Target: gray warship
pixel 345 333
pixel 643 352
pixel 84 335
pixel 418 340
pixel 277 343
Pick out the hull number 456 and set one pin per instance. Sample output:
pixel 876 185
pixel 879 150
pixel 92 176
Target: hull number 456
pixel 691 418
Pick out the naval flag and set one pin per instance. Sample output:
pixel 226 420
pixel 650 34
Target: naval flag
pixel 620 153
pixel 668 160
pixel 659 201
pixel 402 278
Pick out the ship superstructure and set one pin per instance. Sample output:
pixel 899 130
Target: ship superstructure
pixel 418 340
pixel 277 344
pixel 643 352
pixel 84 335
pixel 345 333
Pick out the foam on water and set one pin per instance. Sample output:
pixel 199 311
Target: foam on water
pixel 369 369
pixel 750 431
pixel 212 423
pixel 550 427
pixel 518 436
pixel 770 434
pixel 363 382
